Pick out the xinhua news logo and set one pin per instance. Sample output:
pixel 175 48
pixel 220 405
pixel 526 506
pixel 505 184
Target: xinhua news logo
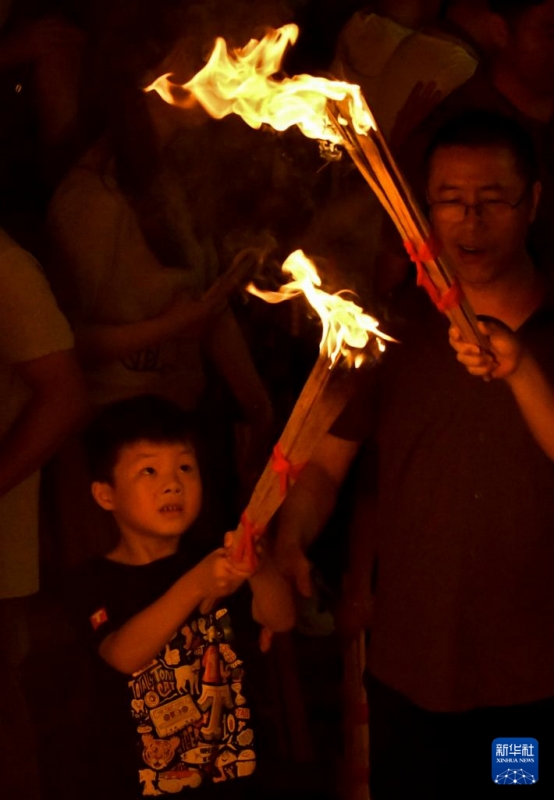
pixel 515 761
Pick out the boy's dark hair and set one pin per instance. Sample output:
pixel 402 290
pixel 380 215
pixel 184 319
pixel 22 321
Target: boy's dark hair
pixel 143 418
pixel 487 129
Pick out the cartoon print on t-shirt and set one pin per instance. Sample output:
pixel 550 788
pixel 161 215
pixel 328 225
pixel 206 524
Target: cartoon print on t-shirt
pixel 192 718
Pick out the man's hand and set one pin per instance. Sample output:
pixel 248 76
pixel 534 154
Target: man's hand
pixel 503 359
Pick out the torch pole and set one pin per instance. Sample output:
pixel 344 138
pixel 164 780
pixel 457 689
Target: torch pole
pixel 375 162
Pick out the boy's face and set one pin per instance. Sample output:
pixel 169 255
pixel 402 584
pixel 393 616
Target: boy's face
pixel 156 491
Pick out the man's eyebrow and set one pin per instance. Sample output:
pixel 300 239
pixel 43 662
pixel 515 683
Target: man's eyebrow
pixel 487 188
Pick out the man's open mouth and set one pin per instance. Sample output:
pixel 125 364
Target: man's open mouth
pixel 471 250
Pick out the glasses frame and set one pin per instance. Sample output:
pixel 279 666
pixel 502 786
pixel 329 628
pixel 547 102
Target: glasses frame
pixel 478 207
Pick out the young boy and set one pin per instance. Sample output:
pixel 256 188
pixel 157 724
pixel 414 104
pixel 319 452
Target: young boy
pixel 173 716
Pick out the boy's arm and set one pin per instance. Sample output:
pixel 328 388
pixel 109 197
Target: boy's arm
pixel 142 637
pixel 517 366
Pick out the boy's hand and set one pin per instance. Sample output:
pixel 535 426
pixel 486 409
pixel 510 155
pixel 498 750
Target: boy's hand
pixel 503 359
pixel 217 576
pixel 245 560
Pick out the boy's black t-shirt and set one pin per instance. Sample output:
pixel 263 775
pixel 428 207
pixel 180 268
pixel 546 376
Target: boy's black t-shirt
pixel 183 723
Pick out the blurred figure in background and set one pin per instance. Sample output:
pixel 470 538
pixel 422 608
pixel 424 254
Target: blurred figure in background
pixel 41 401
pixel 133 230
pixel 40 57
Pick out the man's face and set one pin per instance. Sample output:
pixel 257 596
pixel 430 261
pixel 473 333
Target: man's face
pixel 487 241
pixel 156 491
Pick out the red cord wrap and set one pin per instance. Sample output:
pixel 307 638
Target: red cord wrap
pixel 428 251
pixel 451 298
pixel 284 469
pixel 243 553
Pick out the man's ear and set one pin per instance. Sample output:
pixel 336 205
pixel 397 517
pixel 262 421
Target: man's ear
pixel 499 31
pixel 103 494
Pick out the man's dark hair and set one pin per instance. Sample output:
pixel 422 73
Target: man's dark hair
pixel 511 9
pixel 487 129
pixel 143 418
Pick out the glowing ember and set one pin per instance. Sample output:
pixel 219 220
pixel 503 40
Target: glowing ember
pixel 345 325
pixel 243 82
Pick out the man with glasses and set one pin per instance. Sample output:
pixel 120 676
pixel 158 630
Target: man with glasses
pixel 455 518
pixel 515 78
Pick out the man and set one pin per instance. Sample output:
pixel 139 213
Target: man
pixel 41 400
pixel 516 78
pixel 457 532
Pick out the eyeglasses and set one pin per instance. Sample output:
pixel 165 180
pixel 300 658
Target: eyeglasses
pixel 456 211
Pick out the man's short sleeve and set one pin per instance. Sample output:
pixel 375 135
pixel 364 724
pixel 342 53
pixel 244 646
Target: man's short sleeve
pixel 357 421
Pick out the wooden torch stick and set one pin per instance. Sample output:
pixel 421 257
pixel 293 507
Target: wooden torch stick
pixel 325 394
pixel 374 160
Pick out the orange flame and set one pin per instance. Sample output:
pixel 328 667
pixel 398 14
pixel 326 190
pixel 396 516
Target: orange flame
pixel 345 325
pixel 243 82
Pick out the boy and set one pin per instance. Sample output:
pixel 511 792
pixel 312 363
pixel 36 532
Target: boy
pixel 166 661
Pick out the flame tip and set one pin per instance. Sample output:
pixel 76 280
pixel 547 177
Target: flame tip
pixel 242 81
pixel 347 329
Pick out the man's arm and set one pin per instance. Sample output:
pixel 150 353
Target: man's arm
pixel 55 408
pixel 511 361
pixel 272 602
pixel 309 505
pixel 535 398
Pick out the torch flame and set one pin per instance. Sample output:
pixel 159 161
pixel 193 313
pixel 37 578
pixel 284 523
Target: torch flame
pixel 243 82
pixel 345 325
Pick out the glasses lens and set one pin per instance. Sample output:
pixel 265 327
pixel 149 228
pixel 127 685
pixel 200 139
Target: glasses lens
pixel 449 212
pixel 496 209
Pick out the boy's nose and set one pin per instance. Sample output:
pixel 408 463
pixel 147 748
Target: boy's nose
pixel 173 484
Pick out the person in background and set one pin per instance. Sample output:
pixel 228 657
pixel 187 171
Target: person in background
pixel 133 256
pixel 41 48
pixel 42 399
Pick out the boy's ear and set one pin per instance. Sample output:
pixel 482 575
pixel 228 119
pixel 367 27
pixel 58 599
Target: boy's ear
pixel 103 494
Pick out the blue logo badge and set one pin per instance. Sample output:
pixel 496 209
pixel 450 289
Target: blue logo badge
pixel 515 761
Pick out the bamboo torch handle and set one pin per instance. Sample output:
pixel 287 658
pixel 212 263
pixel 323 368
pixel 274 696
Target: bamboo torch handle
pixel 375 162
